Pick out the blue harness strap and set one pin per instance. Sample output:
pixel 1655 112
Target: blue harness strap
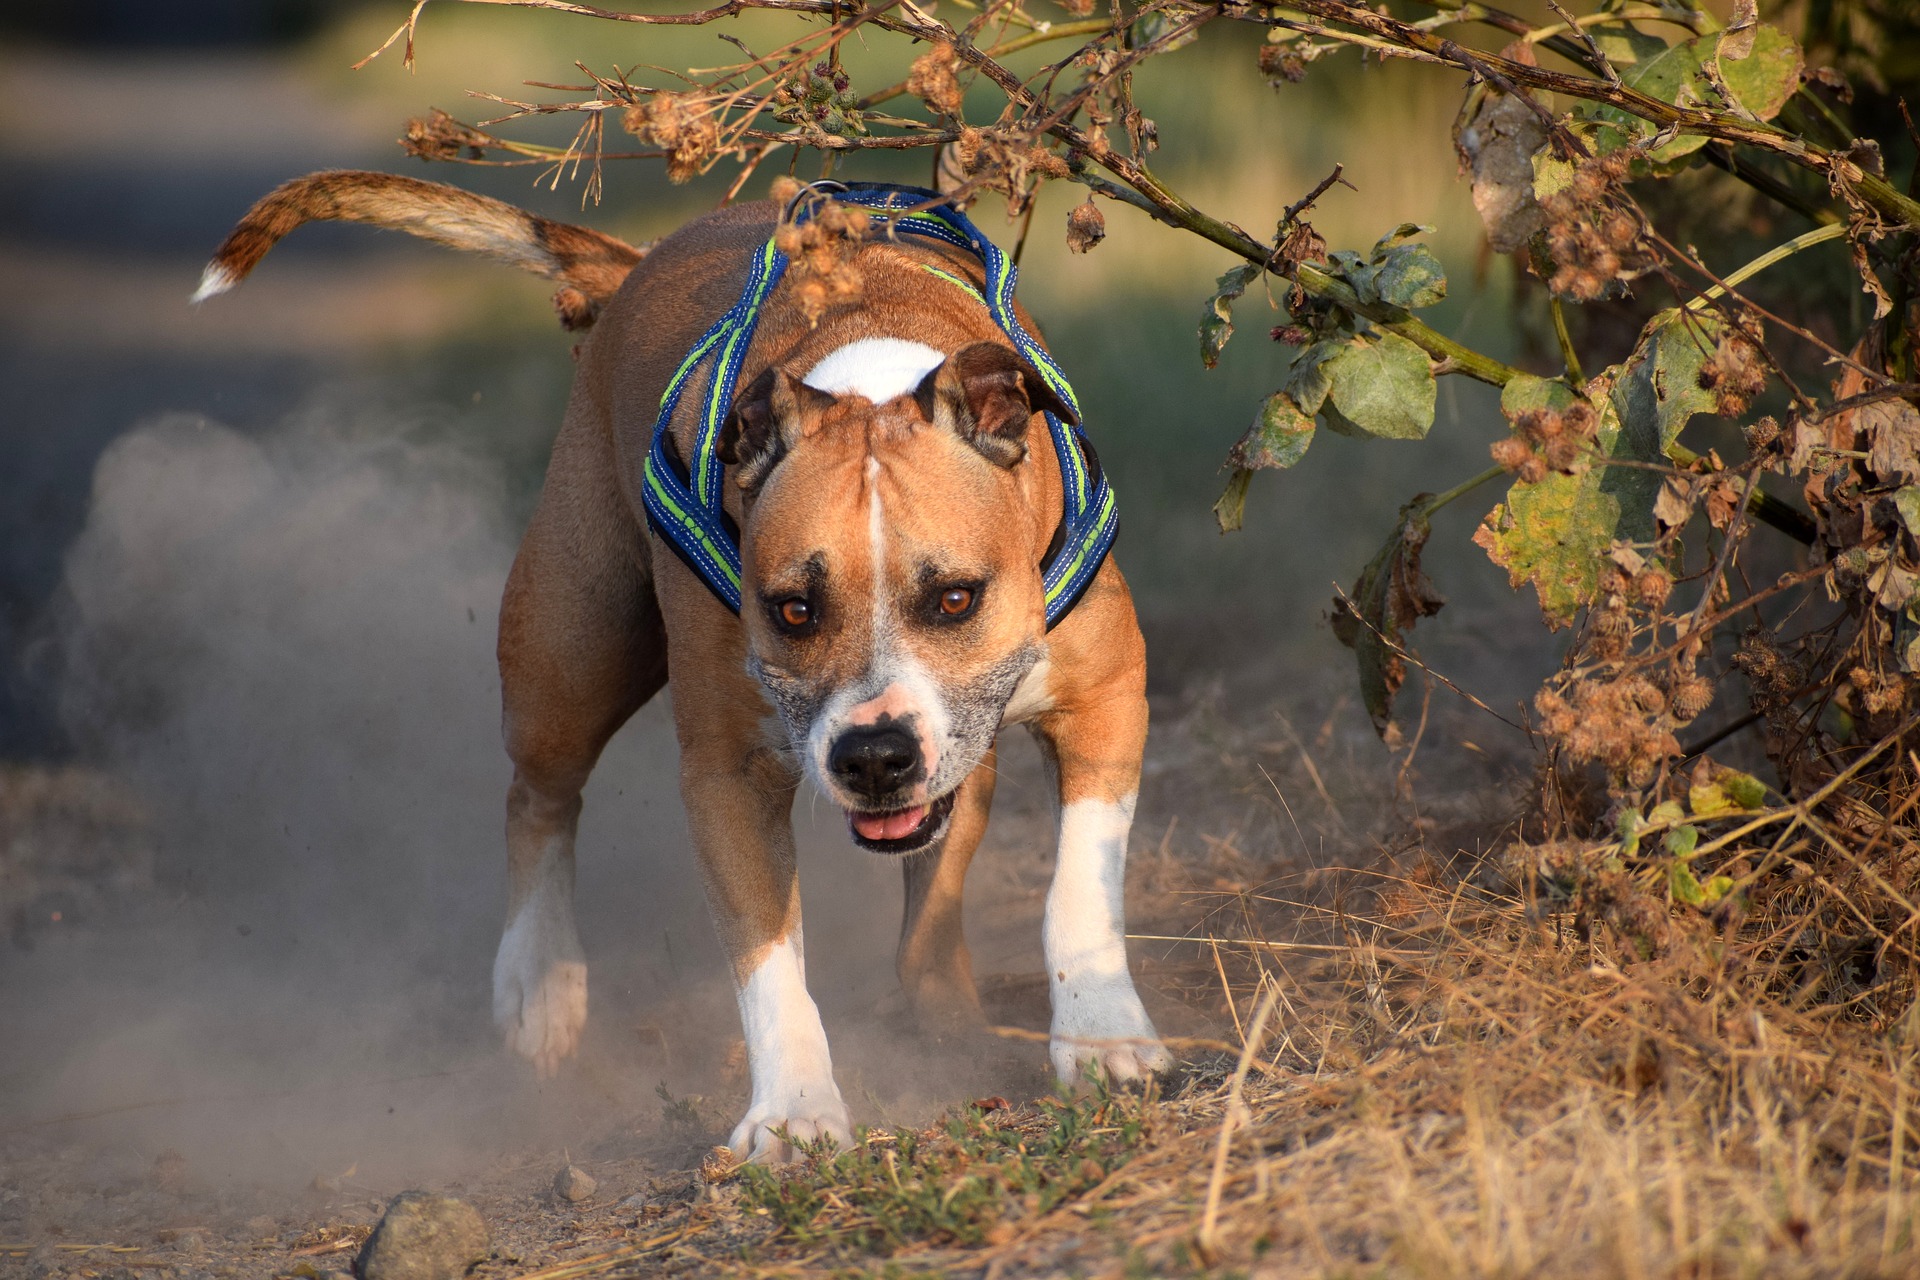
pixel 684 499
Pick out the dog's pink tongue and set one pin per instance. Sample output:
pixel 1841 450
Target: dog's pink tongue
pixel 889 826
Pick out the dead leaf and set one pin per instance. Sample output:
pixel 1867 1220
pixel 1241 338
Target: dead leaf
pixel 1892 429
pixel 1393 593
pixel 1499 144
pixel 1723 501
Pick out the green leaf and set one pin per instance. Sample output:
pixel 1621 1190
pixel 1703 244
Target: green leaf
pixel 1230 509
pixel 1398 236
pixel 1550 173
pixel 1716 889
pixel 1626 45
pixel 1760 83
pixel 1667 811
pixel 1279 436
pixel 1681 841
pixel 1307 379
pixel 1710 801
pixel 1629 826
pixel 1682 884
pixel 1393 593
pixel 1382 388
pixel 1157 24
pixel 1527 392
pixel 1396 272
pixel 1907 502
pixel 1553 534
pixel 1661 390
pixel 1216 322
pixel 1746 790
pixel 1410 277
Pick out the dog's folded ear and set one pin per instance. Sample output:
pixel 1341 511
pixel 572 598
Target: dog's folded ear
pixel 986 393
pixel 767 417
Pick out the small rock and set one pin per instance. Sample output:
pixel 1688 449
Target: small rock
pixel 423 1236
pixel 191 1243
pixel 635 1203
pixel 262 1227
pixel 573 1184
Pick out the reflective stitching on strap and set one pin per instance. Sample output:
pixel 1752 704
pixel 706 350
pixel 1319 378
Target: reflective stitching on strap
pixel 687 510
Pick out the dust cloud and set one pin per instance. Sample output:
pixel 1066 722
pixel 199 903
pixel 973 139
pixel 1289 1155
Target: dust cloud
pixel 281 646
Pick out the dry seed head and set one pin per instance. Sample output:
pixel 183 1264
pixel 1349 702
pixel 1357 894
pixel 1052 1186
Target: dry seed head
pixel 784 189
pixel 1046 163
pixel 1611 618
pixel 1580 420
pixel 1277 63
pixel 966 148
pixel 440 137
pixel 1692 695
pixel 1511 452
pixel 1086 226
pixel 932 80
pixel 1556 717
pixel 1735 375
pixel 1621 229
pixel 1563 455
pixel 1652 587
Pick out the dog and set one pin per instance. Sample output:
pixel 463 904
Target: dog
pixel 896 485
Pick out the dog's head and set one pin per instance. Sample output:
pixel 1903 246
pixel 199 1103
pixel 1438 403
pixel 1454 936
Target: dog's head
pixel 891 546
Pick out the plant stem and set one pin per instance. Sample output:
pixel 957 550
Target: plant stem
pixel 1779 252
pixel 1567 353
pixel 1460 490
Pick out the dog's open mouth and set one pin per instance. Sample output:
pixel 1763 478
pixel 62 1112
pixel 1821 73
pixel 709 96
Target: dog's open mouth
pixel 901 830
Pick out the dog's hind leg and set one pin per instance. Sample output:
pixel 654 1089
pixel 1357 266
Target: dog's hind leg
pixel 935 967
pixel 581 648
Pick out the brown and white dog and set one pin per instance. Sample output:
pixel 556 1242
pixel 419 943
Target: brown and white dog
pixel 895 490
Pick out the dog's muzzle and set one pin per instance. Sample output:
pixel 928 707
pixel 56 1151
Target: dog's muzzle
pixel 902 831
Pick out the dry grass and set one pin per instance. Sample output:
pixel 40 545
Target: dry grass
pixel 1452 1082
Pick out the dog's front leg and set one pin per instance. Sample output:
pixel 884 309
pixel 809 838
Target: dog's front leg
pixel 739 797
pixel 1095 745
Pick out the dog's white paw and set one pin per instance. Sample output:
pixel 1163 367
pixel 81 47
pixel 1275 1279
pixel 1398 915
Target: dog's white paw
pixel 804 1112
pixel 540 989
pixel 1102 1026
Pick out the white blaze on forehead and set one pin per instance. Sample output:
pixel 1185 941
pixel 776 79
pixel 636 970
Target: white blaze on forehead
pixel 876 368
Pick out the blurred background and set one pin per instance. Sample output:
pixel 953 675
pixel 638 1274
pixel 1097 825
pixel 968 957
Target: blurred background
pixel 251 551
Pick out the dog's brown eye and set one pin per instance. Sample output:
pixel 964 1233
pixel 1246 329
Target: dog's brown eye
pixel 955 601
pixel 796 613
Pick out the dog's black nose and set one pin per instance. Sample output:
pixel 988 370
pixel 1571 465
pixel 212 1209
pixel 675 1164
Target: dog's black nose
pixel 875 760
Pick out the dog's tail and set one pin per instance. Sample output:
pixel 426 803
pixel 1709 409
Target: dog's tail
pixel 589 264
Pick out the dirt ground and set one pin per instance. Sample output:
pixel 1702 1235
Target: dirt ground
pixel 171 1176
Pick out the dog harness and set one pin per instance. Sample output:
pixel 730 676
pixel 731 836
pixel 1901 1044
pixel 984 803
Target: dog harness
pixel 683 502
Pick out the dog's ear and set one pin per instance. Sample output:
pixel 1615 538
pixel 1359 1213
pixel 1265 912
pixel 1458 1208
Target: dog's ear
pixel 986 393
pixel 765 421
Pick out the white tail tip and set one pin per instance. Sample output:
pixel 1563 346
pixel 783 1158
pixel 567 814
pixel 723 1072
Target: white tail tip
pixel 214 281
